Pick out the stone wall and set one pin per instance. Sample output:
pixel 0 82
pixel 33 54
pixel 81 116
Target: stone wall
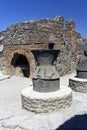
pixel 25 36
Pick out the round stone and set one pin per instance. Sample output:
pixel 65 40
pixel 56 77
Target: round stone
pixel 46 102
pixel 78 84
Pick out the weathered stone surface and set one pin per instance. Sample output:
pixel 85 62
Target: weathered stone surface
pixel 55 119
pixel 2 62
pixel 82 66
pixel 38 122
pixel 82 45
pixel 0 125
pixel 15 84
pixel 46 85
pixel 42 122
pixel 46 102
pixel 14 121
pixel 45 78
pixel 26 36
pixel 5 114
pixel 3 77
pixel 78 84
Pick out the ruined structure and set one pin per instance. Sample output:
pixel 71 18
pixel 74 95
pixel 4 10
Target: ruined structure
pixel 21 39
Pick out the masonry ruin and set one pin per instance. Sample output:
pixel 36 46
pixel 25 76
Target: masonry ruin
pixel 22 38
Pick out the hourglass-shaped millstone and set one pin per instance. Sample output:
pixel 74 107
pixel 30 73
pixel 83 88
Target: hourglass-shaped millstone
pixel 45 78
pixel 82 66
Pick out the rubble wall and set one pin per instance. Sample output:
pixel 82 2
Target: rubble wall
pixel 29 35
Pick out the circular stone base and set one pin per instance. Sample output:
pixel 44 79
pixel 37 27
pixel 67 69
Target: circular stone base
pixel 46 102
pixel 78 84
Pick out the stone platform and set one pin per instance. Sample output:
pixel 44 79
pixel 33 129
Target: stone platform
pixel 46 102
pixel 78 84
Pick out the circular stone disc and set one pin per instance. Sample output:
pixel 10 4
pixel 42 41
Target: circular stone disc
pixel 46 102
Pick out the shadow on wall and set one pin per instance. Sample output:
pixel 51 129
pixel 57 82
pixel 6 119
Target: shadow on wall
pixel 78 122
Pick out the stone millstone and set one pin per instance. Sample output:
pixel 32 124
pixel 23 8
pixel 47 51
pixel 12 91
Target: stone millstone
pixel 45 78
pixel 78 84
pixel 46 102
pixel 82 67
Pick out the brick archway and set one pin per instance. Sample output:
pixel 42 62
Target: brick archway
pixel 29 56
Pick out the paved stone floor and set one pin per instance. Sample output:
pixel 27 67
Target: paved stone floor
pixel 13 117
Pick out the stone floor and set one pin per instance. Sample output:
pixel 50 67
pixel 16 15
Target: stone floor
pixel 13 117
